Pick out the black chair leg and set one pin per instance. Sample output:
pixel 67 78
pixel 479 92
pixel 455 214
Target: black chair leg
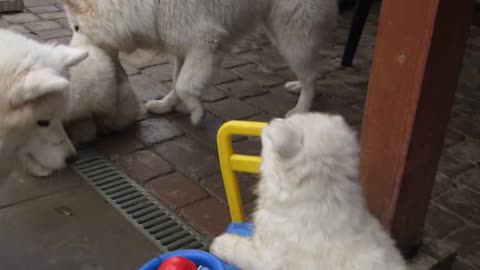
pixel 360 17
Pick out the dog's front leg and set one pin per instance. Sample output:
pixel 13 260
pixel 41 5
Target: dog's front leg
pixel 33 167
pixel 195 76
pixel 238 251
pixel 168 103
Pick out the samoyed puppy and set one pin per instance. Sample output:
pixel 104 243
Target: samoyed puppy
pixel 198 33
pixel 311 213
pixel 34 84
pixel 101 100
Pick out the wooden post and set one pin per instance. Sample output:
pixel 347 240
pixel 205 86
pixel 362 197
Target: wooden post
pixel 417 61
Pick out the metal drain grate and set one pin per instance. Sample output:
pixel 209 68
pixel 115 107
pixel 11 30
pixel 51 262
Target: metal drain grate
pixel 159 224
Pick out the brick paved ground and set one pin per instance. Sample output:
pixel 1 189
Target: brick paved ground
pixel 179 165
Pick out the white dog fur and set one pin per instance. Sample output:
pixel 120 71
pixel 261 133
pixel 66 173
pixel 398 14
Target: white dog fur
pixel 34 86
pixel 311 213
pixel 101 100
pixel 197 33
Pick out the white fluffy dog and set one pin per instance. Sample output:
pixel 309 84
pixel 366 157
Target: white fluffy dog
pixel 101 100
pixel 197 33
pixel 33 90
pixel 311 213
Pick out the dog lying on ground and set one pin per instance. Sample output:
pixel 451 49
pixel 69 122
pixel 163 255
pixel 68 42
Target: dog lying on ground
pixel 34 85
pixel 311 213
pixel 101 100
pixel 197 33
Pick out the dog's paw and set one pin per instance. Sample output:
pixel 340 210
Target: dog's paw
pixel 158 107
pixel 293 87
pixel 42 173
pixel 223 246
pixel 37 170
pixel 196 116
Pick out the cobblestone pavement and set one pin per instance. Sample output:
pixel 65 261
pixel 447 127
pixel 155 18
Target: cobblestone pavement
pixel 179 165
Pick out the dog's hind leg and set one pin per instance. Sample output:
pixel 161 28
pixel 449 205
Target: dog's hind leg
pixel 299 51
pixel 196 75
pixel 168 103
pixel 299 28
pixel 301 59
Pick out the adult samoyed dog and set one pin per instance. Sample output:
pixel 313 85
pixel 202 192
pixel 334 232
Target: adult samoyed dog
pixel 101 100
pixel 34 84
pixel 197 33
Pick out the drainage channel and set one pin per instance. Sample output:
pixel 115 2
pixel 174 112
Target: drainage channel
pixel 158 223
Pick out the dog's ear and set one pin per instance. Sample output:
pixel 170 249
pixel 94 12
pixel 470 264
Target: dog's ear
pixel 43 81
pixel 285 140
pixel 68 56
pixel 76 6
pixel 37 84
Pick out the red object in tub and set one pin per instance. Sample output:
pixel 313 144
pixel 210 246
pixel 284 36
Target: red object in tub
pixel 177 263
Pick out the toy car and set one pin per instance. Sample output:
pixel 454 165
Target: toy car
pixel 229 164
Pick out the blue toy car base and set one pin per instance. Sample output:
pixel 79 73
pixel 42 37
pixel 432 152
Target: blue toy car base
pixel 203 258
pixel 199 257
pixel 241 228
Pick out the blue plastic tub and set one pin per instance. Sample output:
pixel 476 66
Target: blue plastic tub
pixel 203 258
pixel 199 257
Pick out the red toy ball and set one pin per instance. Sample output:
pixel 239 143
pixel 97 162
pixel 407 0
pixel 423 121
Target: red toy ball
pixel 177 263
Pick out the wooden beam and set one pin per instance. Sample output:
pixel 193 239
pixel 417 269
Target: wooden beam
pixel 417 60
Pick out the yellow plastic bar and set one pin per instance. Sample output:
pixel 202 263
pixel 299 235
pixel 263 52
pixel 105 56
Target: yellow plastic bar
pixel 230 162
pixel 244 163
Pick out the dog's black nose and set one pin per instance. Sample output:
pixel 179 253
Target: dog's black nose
pixel 71 159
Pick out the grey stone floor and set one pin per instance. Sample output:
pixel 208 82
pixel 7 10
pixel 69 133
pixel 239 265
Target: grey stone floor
pixel 61 223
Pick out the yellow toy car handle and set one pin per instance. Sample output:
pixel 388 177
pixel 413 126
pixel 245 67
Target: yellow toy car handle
pixel 231 162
